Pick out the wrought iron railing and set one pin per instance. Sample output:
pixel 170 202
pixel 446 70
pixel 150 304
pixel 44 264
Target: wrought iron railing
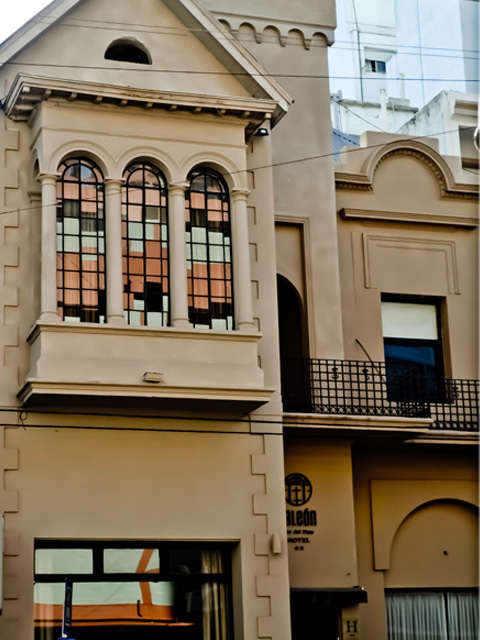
pixel 365 388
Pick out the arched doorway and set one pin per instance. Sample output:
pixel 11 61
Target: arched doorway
pixel 293 348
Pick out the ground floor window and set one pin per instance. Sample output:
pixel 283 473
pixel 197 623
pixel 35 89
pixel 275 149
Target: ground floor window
pixel 140 590
pixel 433 615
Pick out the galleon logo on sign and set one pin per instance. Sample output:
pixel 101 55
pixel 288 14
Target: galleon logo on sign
pixel 298 491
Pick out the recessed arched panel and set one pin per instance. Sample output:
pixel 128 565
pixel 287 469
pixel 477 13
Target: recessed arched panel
pixel 436 546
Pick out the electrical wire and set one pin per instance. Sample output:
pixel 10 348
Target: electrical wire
pixel 357 115
pixel 110 25
pixel 285 423
pixel 237 74
pixel 281 164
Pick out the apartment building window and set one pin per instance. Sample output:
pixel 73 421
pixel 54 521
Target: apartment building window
pixel 413 350
pixel 208 251
pixel 375 66
pixel 80 242
pixel 432 615
pixel 146 590
pixel 145 246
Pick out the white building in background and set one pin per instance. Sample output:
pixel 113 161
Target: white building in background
pixel 391 58
pixel 451 117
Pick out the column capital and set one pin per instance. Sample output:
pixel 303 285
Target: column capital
pixel 113 183
pixel 239 194
pixel 46 178
pixel 178 188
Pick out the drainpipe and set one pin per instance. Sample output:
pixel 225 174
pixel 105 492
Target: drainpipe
pixel 383 111
pixel 359 53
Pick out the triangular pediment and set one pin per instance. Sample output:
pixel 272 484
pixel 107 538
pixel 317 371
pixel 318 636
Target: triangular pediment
pixel 189 52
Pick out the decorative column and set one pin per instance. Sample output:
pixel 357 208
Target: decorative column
pixel 113 247
pixel 48 291
pixel 178 262
pixel 241 261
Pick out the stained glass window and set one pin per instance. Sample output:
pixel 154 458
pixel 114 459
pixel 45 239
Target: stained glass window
pixel 80 242
pixel 208 248
pixel 145 246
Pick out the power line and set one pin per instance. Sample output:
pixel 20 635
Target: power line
pixel 23 414
pixel 238 74
pixel 185 31
pixel 283 163
pixel 357 115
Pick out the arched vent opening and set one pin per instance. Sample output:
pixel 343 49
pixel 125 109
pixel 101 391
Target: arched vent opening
pixel 126 50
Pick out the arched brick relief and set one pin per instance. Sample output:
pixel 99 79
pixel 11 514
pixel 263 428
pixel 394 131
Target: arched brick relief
pixel 393 500
pixel 246 31
pixel 296 37
pixel 162 160
pixel 235 177
pixel 225 23
pixel 273 34
pixel 263 31
pixel 319 39
pixel 434 546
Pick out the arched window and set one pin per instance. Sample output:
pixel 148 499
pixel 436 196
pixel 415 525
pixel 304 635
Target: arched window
pixel 128 50
pixel 80 242
pixel 209 261
pixel 145 246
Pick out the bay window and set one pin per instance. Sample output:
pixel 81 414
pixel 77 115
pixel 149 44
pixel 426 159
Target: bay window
pixel 140 252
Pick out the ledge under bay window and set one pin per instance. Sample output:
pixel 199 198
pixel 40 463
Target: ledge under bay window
pixel 103 365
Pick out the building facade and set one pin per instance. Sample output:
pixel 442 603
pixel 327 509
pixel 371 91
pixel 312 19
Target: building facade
pixel 238 384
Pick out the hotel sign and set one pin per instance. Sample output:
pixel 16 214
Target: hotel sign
pixel 301 521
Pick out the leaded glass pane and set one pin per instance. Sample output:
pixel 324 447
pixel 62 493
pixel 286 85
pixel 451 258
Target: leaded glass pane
pixel 80 242
pixel 207 241
pixel 145 245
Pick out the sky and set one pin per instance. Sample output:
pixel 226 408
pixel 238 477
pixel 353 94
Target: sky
pixel 15 13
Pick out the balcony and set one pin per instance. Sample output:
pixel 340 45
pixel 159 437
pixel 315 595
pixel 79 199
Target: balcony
pixel 365 388
pixel 141 368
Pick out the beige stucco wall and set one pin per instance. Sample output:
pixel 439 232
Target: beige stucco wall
pixel 141 484
pixel 174 49
pixel 401 234
pixel 303 174
pixel 425 492
pixel 304 13
pixel 329 558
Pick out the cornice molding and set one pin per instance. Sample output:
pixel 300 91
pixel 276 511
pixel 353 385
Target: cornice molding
pixel 283 28
pixel 164 332
pixel 409 216
pixel 28 91
pixel 151 396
